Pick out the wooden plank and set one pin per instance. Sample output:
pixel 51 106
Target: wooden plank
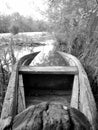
pixel 48 70
pixel 21 96
pixel 10 101
pixel 58 96
pixel 75 93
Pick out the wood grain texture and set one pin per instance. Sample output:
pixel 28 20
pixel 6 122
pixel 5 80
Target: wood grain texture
pixel 75 93
pixel 21 96
pixel 48 70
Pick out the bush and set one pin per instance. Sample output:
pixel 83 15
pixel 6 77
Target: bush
pixel 62 41
pixel 78 45
pixel 14 29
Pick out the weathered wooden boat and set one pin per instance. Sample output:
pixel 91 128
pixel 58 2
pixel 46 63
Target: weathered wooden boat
pixel 30 85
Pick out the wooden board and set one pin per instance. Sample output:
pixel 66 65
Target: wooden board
pixel 21 96
pixel 39 96
pixel 48 70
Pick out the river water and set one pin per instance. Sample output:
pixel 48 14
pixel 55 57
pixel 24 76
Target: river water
pixel 44 50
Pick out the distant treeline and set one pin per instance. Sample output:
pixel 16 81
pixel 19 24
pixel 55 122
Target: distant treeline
pixel 19 23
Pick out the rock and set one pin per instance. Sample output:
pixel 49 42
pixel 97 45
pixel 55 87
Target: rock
pixel 55 118
pixel 78 120
pixel 50 116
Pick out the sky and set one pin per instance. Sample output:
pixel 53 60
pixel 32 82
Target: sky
pixel 33 8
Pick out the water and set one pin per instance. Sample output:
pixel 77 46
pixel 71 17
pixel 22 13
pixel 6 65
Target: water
pixel 45 49
pixel 19 52
pixel 44 52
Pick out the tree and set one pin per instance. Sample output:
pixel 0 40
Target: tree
pixel 73 17
pixel 14 29
pixel 4 23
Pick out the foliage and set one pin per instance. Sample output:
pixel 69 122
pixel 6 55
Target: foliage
pixel 4 24
pixel 89 59
pixel 73 17
pixel 17 23
pixel 14 29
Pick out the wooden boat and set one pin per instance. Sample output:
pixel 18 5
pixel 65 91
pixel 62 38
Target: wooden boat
pixel 66 83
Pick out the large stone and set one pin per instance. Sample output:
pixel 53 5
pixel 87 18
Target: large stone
pixel 50 116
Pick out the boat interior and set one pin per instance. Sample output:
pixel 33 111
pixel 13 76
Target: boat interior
pixel 51 84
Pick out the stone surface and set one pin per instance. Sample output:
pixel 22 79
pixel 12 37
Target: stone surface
pixel 50 116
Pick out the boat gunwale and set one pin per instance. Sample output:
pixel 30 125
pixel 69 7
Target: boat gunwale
pixel 70 70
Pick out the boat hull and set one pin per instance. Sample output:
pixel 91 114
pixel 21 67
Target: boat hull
pixel 81 99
